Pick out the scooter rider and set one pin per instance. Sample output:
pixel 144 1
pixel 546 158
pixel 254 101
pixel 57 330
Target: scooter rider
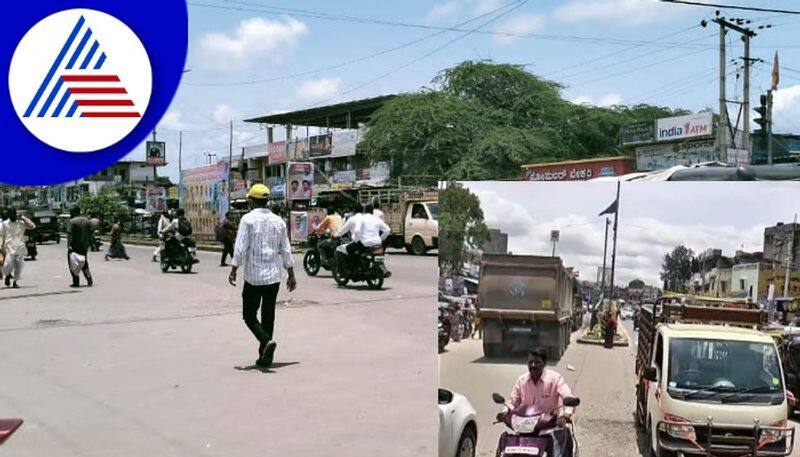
pixel 539 391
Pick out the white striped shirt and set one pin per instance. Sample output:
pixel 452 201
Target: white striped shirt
pixel 262 247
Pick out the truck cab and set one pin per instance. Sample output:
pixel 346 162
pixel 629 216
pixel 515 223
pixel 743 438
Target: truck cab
pixel 421 226
pixel 710 389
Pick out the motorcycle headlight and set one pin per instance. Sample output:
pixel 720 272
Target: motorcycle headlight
pixel 680 431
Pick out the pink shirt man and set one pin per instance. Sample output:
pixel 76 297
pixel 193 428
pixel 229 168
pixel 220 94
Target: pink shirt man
pixel 543 397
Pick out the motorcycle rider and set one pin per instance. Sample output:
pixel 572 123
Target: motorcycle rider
pixel 163 222
pixel 332 222
pixel 368 232
pixel 539 391
pixel 180 226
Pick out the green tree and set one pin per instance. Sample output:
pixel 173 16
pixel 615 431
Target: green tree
pixel 676 268
pixel 482 120
pixel 106 205
pixel 636 284
pixel 461 225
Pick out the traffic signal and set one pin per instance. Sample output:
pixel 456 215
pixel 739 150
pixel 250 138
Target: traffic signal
pixel 762 119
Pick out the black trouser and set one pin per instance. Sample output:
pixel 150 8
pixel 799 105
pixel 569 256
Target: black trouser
pixel 326 247
pixel 86 273
pixel 227 248
pixel 254 297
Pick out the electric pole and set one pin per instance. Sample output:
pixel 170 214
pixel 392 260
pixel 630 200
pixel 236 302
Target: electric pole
pixel 605 252
pixel 746 96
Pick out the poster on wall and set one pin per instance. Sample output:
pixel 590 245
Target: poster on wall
pixel 344 143
pixel 298 150
pixel 277 152
pixel 301 180
pixel 299 226
pixel 156 200
pixel 204 197
pixel 315 217
pixel 319 146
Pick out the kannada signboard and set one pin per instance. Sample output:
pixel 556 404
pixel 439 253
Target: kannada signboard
pixel 667 155
pixel 277 152
pixel 344 143
pixel 579 170
pixel 319 146
pixel 204 197
pixel 156 153
pixel 682 127
pixel 640 132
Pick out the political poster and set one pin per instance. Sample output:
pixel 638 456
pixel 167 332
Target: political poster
pixel 204 197
pixel 319 146
pixel 299 226
pixel 301 180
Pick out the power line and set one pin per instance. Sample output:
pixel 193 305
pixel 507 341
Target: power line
pixel 732 7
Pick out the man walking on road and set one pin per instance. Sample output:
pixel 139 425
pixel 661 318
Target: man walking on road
pixel 12 233
pixel 79 240
pixel 262 249
pixel 229 229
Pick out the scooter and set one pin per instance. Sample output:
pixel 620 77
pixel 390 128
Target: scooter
pixel 536 434
pixel 176 253
pixel 368 265
pixel 8 427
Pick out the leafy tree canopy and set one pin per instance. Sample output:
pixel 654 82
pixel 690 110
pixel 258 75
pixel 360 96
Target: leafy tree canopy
pixel 461 225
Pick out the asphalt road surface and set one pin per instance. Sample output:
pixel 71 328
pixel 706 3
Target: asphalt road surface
pixel 603 379
pixel 146 363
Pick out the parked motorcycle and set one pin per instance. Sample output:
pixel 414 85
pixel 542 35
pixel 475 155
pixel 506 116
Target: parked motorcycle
pixel 177 253
pixel 536 434
pixel 8 427
pixel 312 260
pixel 445 326
pixel 368 265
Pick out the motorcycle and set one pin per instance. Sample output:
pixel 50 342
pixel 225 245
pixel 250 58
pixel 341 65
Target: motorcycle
pixel 312 260
pixel 536 434
pixel 444 329
pixel 367 265
pixel 8 427
pixel 177 253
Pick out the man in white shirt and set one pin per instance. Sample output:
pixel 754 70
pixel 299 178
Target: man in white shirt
pixel 377 211
pixel 262 248
pixel 367 229
pixel 163 222
pixel 12 235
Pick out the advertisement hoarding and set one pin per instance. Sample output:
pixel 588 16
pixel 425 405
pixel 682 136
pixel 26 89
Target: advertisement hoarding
pixel 667 155
pixel 640 132
pixel 301 180
pixel 682 127
pixel 156 199
pixel 156 153
pixel 277 152
pixel 299 226
pixel 319 146
pixel 343 176
pixel 204 197
pixel 298 150
pixel 344 143
pixel 579 170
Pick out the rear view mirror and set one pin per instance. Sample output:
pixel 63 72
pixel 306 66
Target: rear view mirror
pixel 497 398
pixel 8 427
pixel 650 374
pixel 571 401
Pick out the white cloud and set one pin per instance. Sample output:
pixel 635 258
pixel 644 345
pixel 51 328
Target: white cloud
pixel 605 100
pixel 499 212
pixel 172 121
pixel 319 89
pixel 224 113
pixel 254 40
pixel 484 6
pixel 521 24
pixel 442 10
pixel 618 12
pixel 786 109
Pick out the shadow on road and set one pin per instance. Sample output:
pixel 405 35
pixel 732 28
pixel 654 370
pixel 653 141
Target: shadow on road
pixel 641 440
pixel 39 294
pixel 266 370
pixel 513 359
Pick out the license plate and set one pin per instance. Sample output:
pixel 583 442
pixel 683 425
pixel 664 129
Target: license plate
pixel 380 258
pixel 521 450
pixel 44 220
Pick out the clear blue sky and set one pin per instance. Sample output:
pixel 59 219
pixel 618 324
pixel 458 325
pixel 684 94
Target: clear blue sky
pixel 603 51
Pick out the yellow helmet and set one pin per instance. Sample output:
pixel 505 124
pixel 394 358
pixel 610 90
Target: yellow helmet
pixel 258 191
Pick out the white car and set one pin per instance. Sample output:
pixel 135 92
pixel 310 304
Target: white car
pixel 458 425
pixel 626 313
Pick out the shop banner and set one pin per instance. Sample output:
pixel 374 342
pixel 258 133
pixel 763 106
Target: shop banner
pixel 277 152
pixel 663 156
pixel 301 180
pixel 156 200
pixel 344 143
pixel 204 197
pixel 640 132
pixel 239 190
pixel 299 150
pixel 343 176
pixel 319 146
pixel 299 226
pixel 579 170
pixel 681 127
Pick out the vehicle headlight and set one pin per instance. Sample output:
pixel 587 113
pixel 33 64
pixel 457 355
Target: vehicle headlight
pixel 771 435
pixel 680 431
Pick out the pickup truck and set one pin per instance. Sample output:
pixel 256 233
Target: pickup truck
pixel 710 382
pixel 413 217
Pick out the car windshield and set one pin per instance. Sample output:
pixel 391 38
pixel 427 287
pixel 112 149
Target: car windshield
pixel 434 209
pixel 724 366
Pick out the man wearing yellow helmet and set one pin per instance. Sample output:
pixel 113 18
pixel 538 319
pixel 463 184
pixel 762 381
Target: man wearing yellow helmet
pixel 262 249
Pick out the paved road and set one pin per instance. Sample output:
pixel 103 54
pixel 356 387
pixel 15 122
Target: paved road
pixel 146 363
pixel 602 378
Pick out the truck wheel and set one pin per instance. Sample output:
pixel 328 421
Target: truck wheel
pixel 418 246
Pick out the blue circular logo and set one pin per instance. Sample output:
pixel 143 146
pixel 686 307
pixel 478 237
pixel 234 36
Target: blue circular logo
pixel 87 82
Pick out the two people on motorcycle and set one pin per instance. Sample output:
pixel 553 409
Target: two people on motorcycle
pixel 181 228
pixel 539 391
pixel 367 232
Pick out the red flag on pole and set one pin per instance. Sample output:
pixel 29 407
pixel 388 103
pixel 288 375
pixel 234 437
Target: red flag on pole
pixel 776 75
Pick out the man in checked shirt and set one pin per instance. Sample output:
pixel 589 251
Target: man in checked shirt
pixel 262 249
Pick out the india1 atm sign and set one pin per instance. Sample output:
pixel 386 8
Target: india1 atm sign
pixel 680 127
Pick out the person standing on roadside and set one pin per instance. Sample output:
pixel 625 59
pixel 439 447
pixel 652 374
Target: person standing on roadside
pixel 13 236
pixel 79 240
pixel 229 229
pixel 262 249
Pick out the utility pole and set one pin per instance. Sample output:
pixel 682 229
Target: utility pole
pixel 722 125
pixel 605 250
pixel 746 96
pixel 145 157
pixel 230 163
pixel 789 256
pixel 614 248
pixel 769 127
